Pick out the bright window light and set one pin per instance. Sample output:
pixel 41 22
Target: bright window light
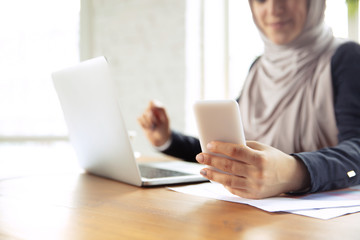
pixel 36 38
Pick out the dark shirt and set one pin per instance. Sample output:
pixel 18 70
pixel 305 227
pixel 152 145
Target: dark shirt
pixel 329 167
pixel 332 167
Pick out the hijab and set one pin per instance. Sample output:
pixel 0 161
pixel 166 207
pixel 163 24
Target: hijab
pixel 287 99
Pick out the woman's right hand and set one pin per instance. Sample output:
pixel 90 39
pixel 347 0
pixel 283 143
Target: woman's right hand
pixel 155 123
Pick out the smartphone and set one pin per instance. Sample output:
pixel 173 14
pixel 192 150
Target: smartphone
pixel 218 120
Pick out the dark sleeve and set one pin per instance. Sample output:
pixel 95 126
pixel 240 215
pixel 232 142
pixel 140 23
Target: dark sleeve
pixel 183 147
pixel 339 166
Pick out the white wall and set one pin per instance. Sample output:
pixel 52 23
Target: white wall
pixel 144 41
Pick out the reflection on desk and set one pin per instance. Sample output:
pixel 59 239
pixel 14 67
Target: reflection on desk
pixel 74 205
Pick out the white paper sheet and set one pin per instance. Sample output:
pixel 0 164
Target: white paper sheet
pixel 327 213
pixel 319 205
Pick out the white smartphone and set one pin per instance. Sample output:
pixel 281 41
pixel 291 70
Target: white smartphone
pixel 218 120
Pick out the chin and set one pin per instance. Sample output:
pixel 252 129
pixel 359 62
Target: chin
pixel 281 41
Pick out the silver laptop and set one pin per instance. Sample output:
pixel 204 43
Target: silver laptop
pixel 98 134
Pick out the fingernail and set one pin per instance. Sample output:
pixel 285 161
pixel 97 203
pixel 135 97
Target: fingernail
pixel 209 146
pixel 203 172
pixel 200 158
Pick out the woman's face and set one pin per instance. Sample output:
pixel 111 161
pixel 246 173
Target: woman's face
pixel 280 20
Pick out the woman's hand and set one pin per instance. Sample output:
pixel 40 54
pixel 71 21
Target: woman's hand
pixel 254 171
pixel 155 123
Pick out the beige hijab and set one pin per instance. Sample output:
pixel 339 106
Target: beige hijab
pixel 287 99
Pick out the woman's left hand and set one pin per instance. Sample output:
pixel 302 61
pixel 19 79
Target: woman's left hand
pixel 254 171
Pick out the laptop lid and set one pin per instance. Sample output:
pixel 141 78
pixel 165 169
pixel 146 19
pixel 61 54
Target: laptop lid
pixel 96 128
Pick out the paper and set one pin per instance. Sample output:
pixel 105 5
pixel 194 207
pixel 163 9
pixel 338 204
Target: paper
pixel 324 205
pixel 327 213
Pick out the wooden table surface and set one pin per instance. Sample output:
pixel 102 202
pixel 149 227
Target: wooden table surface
pixel 76 205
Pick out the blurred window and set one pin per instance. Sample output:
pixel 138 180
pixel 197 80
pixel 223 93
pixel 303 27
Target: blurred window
pixel 37 37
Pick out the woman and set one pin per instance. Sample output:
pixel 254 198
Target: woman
pixel 300 105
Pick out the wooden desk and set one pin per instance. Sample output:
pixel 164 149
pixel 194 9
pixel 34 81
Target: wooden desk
pixel 81 206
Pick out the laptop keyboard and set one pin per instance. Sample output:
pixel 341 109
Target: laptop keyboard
pixel 151 172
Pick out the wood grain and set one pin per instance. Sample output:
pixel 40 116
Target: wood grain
pixel 84 206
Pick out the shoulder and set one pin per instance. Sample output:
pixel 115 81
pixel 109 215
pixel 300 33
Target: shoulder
pixel 345 64
pixel 345 72
pixel 346 53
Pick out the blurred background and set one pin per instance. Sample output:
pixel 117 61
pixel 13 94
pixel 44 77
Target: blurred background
pixel 176 51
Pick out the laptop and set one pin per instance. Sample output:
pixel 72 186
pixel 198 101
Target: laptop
pixel 98 134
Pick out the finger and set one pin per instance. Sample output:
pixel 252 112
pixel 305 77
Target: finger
pixel 147 121
pixel 234 167
pixel 239 186
pixel 152 119
pixel 242 193
pixel 162 116
pixel 143 122
pixel 228 180
pixel 235 151
pixel 158 112
pixel 155 105
pixel 256 145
